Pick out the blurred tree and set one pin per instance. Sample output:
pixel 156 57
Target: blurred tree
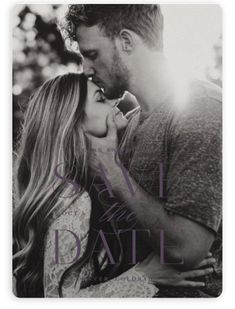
pixel 39 53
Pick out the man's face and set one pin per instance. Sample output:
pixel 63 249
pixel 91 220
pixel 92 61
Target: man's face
pixel 102 61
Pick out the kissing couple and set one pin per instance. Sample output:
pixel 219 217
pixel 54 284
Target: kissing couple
pixel 159 163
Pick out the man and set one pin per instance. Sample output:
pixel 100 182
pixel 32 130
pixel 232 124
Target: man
pixel 178 138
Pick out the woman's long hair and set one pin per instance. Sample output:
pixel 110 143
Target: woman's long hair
pixel 52 139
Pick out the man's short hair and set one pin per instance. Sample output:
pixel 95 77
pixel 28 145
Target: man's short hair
pixel 144 19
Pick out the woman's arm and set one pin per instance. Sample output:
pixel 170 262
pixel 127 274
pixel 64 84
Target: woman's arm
pixel 132 283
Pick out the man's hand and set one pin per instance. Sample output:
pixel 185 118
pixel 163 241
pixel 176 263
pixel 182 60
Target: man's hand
pixel 103 151
pixel 165 274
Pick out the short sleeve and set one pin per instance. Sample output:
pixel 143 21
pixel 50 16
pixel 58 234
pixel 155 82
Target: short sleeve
pixel 194 173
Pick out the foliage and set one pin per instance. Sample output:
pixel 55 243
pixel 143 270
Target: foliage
pixel 39 53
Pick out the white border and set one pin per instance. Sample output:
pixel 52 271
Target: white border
pixel 7 299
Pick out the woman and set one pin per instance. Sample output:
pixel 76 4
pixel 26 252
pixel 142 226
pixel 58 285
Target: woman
pixel 54 208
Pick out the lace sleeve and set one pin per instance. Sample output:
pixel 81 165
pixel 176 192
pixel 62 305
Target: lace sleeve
pixel 132 283
pixel 70 226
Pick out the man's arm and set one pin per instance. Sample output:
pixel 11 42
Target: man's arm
pixel 184 239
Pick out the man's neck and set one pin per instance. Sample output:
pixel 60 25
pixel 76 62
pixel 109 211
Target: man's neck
pixel 152 86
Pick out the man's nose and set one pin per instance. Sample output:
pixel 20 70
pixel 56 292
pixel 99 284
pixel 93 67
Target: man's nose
pixel 88 69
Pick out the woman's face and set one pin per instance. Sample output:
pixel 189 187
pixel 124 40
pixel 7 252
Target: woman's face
pixel 97 109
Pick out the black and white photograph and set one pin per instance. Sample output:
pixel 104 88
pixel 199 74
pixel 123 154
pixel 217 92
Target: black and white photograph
pixel 117 150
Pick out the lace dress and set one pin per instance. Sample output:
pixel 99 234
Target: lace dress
pixel 132 283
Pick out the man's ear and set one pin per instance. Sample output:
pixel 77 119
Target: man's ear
pixel 126 40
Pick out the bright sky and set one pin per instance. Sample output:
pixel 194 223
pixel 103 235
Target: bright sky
pixel 190 32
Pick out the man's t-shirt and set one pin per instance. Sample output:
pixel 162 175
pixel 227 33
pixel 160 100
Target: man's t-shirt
pixel 177 158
